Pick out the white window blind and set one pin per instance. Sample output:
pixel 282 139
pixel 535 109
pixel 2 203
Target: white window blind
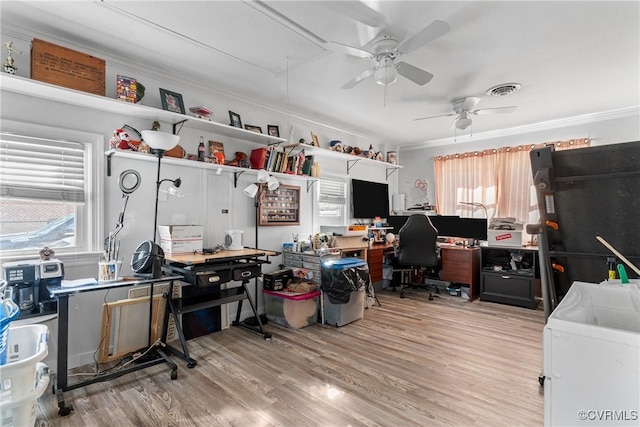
pixel 41 169
pixel 333 191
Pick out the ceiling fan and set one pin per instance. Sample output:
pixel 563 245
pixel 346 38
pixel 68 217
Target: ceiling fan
pixel 463 108
pixel 386 50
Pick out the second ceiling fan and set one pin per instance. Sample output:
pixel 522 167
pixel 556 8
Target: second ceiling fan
pixel 386 50
pixel 464 108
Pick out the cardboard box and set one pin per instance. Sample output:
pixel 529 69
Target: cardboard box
pixel 515 238
pixel 175 239
pixel 181 246
pixel 68 68
pixel 180 232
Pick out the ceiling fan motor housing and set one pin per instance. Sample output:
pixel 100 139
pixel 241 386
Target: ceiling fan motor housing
pixel 386 46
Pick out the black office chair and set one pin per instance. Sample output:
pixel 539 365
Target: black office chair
pixel 417 250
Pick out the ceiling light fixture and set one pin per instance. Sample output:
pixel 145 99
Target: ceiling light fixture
pixel 464 121
pixel 386 72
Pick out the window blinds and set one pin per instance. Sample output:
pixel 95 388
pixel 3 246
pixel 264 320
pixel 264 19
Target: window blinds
pixel 333 191
pixel 41 169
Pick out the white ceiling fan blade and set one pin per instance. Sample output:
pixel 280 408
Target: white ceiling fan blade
pixel 357 79
pixel 496 110
pixel 433 117
pixel 415 74
pixel 430 32
pixel 470 102
pixel 358 11
pixel 349 50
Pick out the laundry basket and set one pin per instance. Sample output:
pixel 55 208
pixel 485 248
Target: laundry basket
pixel 9 310
pixel 24 377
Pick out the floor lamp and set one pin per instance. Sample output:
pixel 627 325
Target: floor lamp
pixel 255 190
pixel 159 143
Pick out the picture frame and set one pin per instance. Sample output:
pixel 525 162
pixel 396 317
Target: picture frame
pixel 252 128
pixel 236 122
pixel 273 130
pixel 171 101
pixel 314 139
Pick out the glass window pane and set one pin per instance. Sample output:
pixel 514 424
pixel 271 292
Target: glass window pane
pixel 28 225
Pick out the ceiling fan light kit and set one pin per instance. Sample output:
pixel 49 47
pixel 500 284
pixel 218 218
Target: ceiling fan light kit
pixel 386 72
pixel 386 50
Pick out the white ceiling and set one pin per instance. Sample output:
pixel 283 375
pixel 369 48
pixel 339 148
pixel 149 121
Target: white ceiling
pixel 572 58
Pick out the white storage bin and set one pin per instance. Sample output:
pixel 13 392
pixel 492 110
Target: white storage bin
pixel 27 345
pixel 292 311
pixel 342 314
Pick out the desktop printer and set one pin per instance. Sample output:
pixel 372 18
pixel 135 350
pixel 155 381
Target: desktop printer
pixel 506 232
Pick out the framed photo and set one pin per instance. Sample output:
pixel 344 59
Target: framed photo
pixel 235 119
pixel 171 101
pixel 314 139
pixel 273 130
pixel 256 129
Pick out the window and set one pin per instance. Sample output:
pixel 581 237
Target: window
pixel 46 190
pixel 498 179
pixel 332 201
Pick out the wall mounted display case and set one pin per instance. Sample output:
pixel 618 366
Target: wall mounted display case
pixel 280 206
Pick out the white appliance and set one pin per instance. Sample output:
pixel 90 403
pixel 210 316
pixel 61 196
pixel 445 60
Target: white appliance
pixel 233 240
pixel 592 356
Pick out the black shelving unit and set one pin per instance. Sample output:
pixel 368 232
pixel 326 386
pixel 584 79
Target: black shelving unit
pixel 502 283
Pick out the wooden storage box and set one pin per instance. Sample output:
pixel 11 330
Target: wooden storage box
pixel 61 66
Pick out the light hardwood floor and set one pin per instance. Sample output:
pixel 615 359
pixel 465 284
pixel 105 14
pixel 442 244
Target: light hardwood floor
pixel 411 362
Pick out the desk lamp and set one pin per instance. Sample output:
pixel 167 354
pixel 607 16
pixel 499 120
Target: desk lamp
pixel 159 143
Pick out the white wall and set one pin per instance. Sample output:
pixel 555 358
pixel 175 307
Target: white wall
pixel 417 161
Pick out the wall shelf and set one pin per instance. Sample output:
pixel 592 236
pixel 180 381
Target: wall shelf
pixel 351 160
pixel 40 90
pixel 45 91
pixel 236 171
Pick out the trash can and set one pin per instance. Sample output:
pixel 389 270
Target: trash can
pixel 344 283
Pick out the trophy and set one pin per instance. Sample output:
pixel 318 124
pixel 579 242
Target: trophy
pixel 8 66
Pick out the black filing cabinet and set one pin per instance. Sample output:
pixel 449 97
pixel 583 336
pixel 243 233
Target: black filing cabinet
pixel 510 275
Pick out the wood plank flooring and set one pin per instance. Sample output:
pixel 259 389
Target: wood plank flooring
pixel 411 362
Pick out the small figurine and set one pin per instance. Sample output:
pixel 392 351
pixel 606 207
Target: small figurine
pixel 46 253
pixel 8 66
pixel 123 141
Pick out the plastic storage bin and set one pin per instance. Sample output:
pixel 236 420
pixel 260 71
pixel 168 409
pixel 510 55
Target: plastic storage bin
pixel 9 311
pixel 293 311
pixel 341 280
pixel 24 377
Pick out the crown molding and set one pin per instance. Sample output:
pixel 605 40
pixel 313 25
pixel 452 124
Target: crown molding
pixel 536 127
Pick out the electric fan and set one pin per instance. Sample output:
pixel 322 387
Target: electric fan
pixel 147 260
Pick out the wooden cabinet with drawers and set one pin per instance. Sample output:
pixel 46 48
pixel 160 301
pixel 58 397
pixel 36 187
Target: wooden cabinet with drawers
pixel 461 265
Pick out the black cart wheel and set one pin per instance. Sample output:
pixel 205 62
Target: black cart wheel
pixel 174 375
pixel 191 364
pixel 541 380
pixel 65 410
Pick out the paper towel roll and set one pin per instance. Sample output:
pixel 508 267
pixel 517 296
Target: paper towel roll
pixel 398 202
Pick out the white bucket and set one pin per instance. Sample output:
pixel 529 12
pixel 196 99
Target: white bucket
pixel 21 411
pixel 27 345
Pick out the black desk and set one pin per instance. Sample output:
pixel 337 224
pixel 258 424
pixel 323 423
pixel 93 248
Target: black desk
pixel 63 294
pixel 207 272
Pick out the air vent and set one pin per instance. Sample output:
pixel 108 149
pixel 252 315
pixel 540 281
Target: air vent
pixel 504 89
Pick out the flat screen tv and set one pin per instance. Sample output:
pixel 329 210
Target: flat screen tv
pixel 369 199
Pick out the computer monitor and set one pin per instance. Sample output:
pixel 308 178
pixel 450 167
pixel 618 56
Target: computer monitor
pixel 448 226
